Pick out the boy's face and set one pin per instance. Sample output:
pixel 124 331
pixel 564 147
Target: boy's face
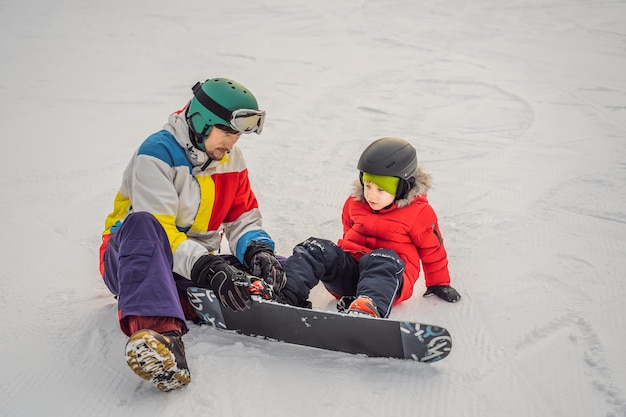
pixel 376 197
pixel 219 142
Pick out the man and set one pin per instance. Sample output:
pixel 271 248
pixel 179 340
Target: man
pixel 185 187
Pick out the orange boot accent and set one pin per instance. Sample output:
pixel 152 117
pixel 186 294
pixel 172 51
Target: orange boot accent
pixel 363 305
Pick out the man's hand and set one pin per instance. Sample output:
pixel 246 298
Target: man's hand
pixel 228 283
pixel 263 264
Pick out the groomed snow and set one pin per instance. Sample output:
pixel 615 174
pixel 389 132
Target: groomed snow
pixel 517 109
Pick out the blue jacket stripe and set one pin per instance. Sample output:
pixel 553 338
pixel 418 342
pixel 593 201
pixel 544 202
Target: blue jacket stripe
pixel 162 145
pixel 252 235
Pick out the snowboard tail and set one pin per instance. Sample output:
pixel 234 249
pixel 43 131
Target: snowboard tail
pixel 370 336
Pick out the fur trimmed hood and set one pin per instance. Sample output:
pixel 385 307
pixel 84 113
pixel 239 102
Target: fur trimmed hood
pixel 422 185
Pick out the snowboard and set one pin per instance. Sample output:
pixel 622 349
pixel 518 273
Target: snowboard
pixel 370 336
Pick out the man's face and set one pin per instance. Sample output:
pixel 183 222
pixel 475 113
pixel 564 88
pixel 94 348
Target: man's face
pixel 219 142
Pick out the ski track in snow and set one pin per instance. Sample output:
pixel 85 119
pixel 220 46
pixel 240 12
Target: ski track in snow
pixel 517 109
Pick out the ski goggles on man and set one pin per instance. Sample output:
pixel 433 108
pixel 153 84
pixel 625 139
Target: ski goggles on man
pixel 247 120
pixel 241 120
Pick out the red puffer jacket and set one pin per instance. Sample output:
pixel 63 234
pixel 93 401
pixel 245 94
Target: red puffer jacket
pixel 408 227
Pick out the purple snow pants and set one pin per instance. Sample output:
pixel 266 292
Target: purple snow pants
pixel 138 270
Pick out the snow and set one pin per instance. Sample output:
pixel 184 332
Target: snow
pixel 517 109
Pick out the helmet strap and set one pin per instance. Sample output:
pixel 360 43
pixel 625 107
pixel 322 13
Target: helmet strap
pixel 196 140
pixel 210 104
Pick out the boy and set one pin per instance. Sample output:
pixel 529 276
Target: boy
pixel 388 229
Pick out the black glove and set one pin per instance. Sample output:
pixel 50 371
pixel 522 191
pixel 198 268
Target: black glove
pixel 263 264
pixel 445 292
pixel 228 283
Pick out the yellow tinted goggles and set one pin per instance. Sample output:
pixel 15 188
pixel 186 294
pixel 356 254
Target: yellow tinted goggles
pixel 247 120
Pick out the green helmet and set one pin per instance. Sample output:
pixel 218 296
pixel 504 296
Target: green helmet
pixel 220 101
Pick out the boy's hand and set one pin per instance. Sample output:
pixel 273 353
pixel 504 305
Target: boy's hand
pixel 445 292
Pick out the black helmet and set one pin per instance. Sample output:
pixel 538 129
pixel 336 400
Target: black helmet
pixel 393 157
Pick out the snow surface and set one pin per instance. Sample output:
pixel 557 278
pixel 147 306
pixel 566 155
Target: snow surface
pixel 517 109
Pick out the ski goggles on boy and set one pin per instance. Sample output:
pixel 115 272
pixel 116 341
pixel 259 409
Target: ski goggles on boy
pixel 242 120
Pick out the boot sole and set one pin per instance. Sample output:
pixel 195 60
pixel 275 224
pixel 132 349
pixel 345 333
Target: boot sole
pixel 151 360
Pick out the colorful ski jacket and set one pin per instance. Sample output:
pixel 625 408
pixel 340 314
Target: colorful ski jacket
pixel 196 200
pixel 409 227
